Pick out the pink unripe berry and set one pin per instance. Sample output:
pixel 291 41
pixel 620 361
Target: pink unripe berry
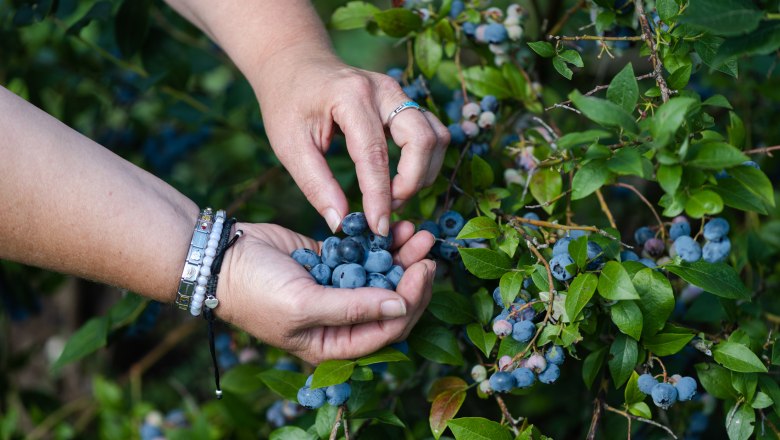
pixel 494 14
pixel 674 379
pixel 479 373
pixel 502 328
pixel 680 219
pixel 505 363
pixel 479 33
pixel 487 120
pixel 485 387
pixel 470 128
pixel 654 247
pixel 536 363
pixel 471 111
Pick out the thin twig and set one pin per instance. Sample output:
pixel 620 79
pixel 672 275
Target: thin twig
pixel 58 416
pixel 605 208
pixel 591 38
pixel 640 419
pixel 763 150
pixel 646 202
pixel 545 224
pixel 658 66
pixel 337 424
pixel 549 202
pixel 597 404
pixel 455 173
pixel 507 415
pixel 566 16
pixel 565 104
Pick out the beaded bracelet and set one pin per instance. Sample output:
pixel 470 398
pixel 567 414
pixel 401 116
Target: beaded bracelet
pixel 200 256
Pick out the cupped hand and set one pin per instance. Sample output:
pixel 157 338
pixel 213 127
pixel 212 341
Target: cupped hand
pixel 265 292
pixel 305 93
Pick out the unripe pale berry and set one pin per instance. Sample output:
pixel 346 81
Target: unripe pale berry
pixel 536 363
pixel 471 111
pixel 487 120
pixel 478 373
pixel 505 363
pixel 470 128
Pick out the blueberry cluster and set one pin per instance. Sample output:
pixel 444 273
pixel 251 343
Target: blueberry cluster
pixel 474 118
pixel 362 259
pixel 314 398
pixel 495 28
pixel 666 394
pixel 516 320
pixel 716 248
pixel 282 411
pixel 446 231
pixel 561 258
pixel 523 374
pixel 152 427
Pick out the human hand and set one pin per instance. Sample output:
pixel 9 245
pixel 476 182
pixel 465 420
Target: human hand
pixel 265 292
pixel 305 93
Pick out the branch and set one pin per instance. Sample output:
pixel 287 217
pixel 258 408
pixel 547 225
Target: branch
pixel 657 65
pixel 545 224
pixel 592 38
pixel 764 150
pixel 605 208
pixel 455 173
pixel 337 424
pixel 565 104
pixel 566 16
pixel 640 419
pixel 598 402
pixel 507 415
pixel 646 202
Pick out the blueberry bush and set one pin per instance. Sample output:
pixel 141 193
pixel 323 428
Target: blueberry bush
pixel 607 232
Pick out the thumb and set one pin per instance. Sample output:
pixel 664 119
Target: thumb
pixel 338 307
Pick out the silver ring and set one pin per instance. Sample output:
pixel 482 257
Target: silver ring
pixel 402 107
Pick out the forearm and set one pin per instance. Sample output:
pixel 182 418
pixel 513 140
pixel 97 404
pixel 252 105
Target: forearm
pixel 73 206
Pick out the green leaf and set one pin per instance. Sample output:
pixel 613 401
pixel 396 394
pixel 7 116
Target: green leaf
pixel 572 57
pixel 481 173
pixel 669 341
pixel 714 155
pixel 580 292
pixel 131 25
pixel 99 11
pixel 578 250
pixel 539 277
pixel 483 306
pixel 353 15
pixel 735 194
pixel 86 340
pixel 632 394
pixel 719 279
pixel 718 101
pixel 657 299
pixel 546 185
pixel 543 48
pixel 510 347
pixel 764 40
pixel 627 317
pixel 451 307
pixel 485 263
pixel 761 401
pixel 571 140
pixel 703 202
pixel 332 372
pixel 592 176
pixel 126 310
pixel 242 379
pixel 740 422
pixel 680 77
pixel 626 161
pixel 604 112
pixel 518 83
pixel 560 66
pixel 723 17
pixel 640 409
pixel 386 354
pixel 398 22
pixel 437 344
pixel 323 422
pixel 483 81
pixel 624 90
pixel 483 340
pixel 669 177
pixel 362 374
pixel 615 284
pixel 772 389
pixel 510 285
pixel 480 227
pixel 667 9
pixel 707 47
pixel 284 383
pixel 291 433
pixel 428 52
pixel 716 380
pixel 624 355
pixel 745 384
pixel 445 406
pixel 478 428
pixel 668 119
pixel 754 181
pixel 737 357
pixel 592 364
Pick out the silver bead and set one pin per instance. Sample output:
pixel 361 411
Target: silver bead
pixel 219 394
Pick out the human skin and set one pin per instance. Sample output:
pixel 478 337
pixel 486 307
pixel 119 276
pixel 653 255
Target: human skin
pixel 73 206
pixel 305 91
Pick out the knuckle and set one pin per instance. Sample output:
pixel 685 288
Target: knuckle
pixel 355 313
pixel 426 139
pixel 375 154
pixel 444 136
pixel 357 85
pixel 388 84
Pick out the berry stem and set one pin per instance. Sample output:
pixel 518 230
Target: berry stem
pixel 507 415
pixel 544 224
pixel 639 419
pixel 763 150
pixel 649 205
pixel 605 208
pixel 592 38
pixel 337 424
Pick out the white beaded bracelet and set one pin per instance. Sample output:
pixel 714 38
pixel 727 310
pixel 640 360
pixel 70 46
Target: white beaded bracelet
pixel 199 295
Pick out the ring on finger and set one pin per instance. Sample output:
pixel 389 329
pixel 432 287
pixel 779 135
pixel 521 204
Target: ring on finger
pixel 406 105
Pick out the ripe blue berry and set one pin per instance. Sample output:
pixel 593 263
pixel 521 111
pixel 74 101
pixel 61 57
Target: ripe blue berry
pixel 397 74
pixel 495 33
pixel 686 388
pixel 558 266
pixel 451 222
pixel 664 395
pixel 379 261
pixel 595 255
pixel 394 275
pixel 274 414
pixel 322 273
pixel 550 374
pixel 523 331
pixel 457 135
pixel 502 328
pixel 642 235
pixel 380 241
pixel 306 258
pixel 311 398
pixel 679 229
pixel 531 216
pixel 449 248
pixel 749 163
pixel 562 246
pixel 380 281
pixel 489 103
pixel 716 229
pixel 430 226
pixel 354 223
pixel 629 256
pixel 150 432
pixel 335 278
pixel 338 394
pixel 351 250
pixel 352 276
pixel 646 382
pixel 497 297
pixel 555 355
pixel 577 233
pixel 524 377
pixel 413 92
pixel 330 252
pixel 469 29
pixel 687 249
pixel 648 262
pixel 456 8
pixel 716 251
pixel 505 316
pixel 502 382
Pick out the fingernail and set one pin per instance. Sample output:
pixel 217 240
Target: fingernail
pixel 396 204
pixel 383 226
pixel 333 219
pixel 393 308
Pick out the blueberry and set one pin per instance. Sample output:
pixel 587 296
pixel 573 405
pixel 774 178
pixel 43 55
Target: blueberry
pixel 648 262
pixel 655 247
pixel 722 174
pixel 150 432
pixel 354 223
pixel 223 341
pixel 555 355
pixel 497 297
pixel 595 255
pixel 177 418
pixel 470 111
pixel 449 248
pixel 352 276
pixel 562 246
pixel 550 374
pixel 322 273
pixel 629 256
pixel 430 226
pixel 531 216
pixel 311 398
pixel 394 275
pixel 489 103
pixel 452 109
pixel 306 258
pixel 525 314
pixel 505 363
pixel 351 250
pixel 457 135
pixel 451 222
pixel 502 328
pixel 469 29
pixel 456 8
pixel 523 331
pixel 274 414
pixel 749 163
pixel 716 229
pixel 642 235
pixel 470 128
pixel 413 92
pixel 379 261
pixel 558 266
pixel 495 33
pixel 330 252
pixel 397 74
pixel 505 316
pixel 646 382
pixel 664 395
pixel 686 388
pixel 687 249
pixel 380 241
pixel 679 229
pixel 717 251
pixel 309 380
pixel 479 149
pixel 536 363
pixel 401 346
pixel 338 394
pixel 524 377
pixel 335 278
pixel 478 373
pixel 502 382
pixel 380 281
pixel 577 233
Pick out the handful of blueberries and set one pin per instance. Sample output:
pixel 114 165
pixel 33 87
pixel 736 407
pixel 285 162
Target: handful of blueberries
pixel 362 259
